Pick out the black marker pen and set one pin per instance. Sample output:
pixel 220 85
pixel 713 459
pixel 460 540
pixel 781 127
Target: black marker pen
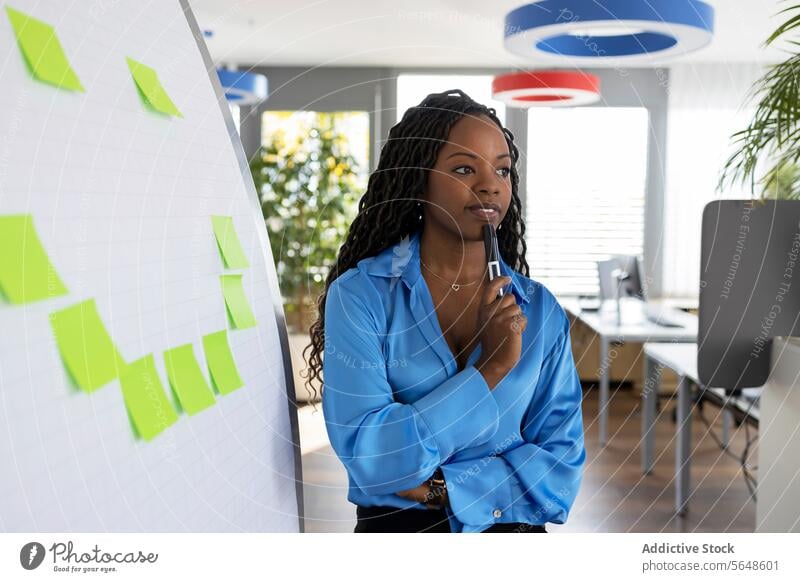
pixel 492 253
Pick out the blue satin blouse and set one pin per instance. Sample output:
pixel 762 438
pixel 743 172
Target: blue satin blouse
pixel 396 407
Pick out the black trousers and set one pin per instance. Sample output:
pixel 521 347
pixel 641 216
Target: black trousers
pixel 384 519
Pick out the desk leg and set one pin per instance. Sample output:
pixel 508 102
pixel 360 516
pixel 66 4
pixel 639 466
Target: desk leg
pixel 727 418
pixel 604 376
pixel 683 448
pixel 650 389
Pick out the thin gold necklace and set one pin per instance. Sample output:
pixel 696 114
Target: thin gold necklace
pixel 453 286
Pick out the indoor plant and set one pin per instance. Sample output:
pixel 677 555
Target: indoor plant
pixel 308 190
pixel 772 139
pixel 308 183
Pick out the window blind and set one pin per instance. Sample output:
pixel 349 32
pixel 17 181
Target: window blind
pixel 586 171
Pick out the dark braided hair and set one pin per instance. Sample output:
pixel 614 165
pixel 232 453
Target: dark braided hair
pixel 390 209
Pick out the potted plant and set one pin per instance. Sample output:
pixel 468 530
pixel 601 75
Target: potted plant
pixel 308 185
pixel 772 139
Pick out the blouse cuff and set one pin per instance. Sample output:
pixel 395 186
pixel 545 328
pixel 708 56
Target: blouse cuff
pixel 480 491
pixel 460 413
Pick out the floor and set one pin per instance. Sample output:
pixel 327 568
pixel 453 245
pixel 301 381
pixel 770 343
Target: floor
pixel 614 495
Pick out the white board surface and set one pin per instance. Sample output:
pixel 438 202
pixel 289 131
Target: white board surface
pixel 121 199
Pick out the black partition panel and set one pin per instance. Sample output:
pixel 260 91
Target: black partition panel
pixel 749 288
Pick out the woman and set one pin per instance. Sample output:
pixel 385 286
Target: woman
pixel 453 408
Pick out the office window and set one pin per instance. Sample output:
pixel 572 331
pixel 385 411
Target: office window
pixel 411 89
pixel 310 174
pixel 707 104
pixel 292 127
pixel 586 172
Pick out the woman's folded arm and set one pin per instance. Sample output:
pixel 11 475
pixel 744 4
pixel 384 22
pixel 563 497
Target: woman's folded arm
pixel 385 445
pixel 537 480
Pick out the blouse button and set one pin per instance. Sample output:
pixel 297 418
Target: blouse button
pixel 497 513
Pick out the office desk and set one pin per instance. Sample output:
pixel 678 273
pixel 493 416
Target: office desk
pixel 682 359
pixel 635 328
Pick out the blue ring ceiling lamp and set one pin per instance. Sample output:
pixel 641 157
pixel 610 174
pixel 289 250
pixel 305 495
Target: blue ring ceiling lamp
pixel 589 31
pixel 242 88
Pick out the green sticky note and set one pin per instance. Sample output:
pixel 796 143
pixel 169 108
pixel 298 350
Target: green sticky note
pixel 26 274
pixel 42 51
pixel 88 352
pixel 147 404
pixel 150 88
pixel 187 379
pixel 221 363
pixel 236 302
pixel 228 243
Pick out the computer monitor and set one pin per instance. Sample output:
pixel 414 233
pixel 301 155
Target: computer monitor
pixel 629 287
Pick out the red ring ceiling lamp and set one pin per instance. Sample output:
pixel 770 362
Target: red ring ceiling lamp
pixel 546 89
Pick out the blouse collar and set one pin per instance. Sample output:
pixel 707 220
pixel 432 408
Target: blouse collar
pixel 402 260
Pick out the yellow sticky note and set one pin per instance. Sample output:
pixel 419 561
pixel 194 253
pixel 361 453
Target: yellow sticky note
pixel 147 404
pixel 42 51
pixel 150 88
pixel 236 302
pixel 221 363
pixel 86 347
pixel 26 273
pixel 228 243
pixel 187 379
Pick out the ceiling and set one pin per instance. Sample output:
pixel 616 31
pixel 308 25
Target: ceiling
pixel 425 33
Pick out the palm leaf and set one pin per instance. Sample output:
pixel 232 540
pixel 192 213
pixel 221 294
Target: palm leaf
pixel 774 131
pixel 790 24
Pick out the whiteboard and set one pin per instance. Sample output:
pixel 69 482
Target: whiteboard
pixel 121 198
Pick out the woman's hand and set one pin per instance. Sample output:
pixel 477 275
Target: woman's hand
pixel 422 494
pixel 501 323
